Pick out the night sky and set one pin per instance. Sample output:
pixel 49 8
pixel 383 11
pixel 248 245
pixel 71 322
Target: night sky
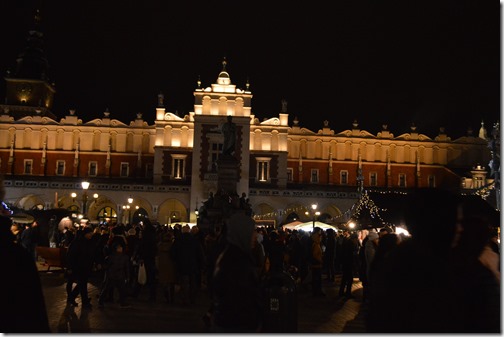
pixel 380 62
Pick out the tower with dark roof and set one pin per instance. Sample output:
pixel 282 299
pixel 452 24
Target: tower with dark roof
pixel 29 87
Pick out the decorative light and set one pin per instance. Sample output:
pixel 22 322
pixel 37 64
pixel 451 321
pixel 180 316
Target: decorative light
pixel 400 230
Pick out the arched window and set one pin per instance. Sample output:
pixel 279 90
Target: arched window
pixel 291 217
pixel 141 214
pixel 74 208
pixel 107 214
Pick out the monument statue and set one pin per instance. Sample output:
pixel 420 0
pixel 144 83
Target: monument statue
pixel 284 106
pixel 229 132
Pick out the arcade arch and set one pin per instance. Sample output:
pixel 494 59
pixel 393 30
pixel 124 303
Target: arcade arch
pixel 172 210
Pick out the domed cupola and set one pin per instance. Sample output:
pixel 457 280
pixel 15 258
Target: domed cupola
pixel 224 78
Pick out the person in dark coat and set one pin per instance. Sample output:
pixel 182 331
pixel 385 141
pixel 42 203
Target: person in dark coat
pixel 387 244
pixel 24 309
pixel 28 240
pixel 147 252
pixel 275 251
pixel 414 284
pixel 213 248
pixel 477 286
pixel 116 274
pixel 330 254
pixel 188 256
pixel 66 237
pixel 236 292
pixel 317 258
pixel 80 259
pixel 349 263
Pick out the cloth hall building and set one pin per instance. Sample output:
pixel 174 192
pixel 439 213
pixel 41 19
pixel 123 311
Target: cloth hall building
pixel 167 169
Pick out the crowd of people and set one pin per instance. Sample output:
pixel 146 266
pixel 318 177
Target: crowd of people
pixel 444 278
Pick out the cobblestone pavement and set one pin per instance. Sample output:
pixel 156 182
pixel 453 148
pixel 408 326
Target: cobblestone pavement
pixel 329 314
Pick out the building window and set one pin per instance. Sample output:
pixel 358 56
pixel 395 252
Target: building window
pixel 344 177
pixel 124 170
pixel 402 180
pixel 107 215
pixel 431 181
pixel 290 174
pixel 215 150
pixel 373 179
pixel 93 169
pixel 263 169
pixel 149 170
pixel 178 166
pixel 60 167
pixel 314 176
pixel 28 166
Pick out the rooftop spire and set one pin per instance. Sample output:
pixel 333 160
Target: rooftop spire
pixel 32 62
pixel 224 63
pixel 223 77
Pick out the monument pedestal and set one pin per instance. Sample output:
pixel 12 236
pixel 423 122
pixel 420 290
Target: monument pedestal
pixel 226 201
pixel 227 175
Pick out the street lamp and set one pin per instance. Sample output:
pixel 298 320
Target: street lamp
pixel 314 213
pixel 85 186
pixel 130 201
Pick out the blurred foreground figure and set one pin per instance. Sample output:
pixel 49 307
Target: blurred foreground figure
pixel 413 290
pixel 476 268
pixel 22 300
pixel 236 286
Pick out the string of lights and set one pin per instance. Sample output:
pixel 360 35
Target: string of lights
pixel 364 203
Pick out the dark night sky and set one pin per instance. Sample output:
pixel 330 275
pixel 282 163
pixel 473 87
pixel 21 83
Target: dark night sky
pixel 380 62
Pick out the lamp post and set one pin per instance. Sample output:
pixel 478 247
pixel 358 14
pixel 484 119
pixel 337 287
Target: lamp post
pixel 314 213
pixel 130 201
pixel 85 186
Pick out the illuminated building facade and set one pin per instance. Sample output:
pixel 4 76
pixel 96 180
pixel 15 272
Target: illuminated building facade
pixel 169 167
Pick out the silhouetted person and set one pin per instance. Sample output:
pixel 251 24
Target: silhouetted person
pixel 29 239
pixel 349 259
pixel 237 293
pixel 188 255
pixel 330 254
pixel 117 272
pixel 387 244
pixel 52 234
pixel 147 252
pixel 477 283
pixel 316 264
pixel 22 299
pixel 80 259
pixel 413 291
